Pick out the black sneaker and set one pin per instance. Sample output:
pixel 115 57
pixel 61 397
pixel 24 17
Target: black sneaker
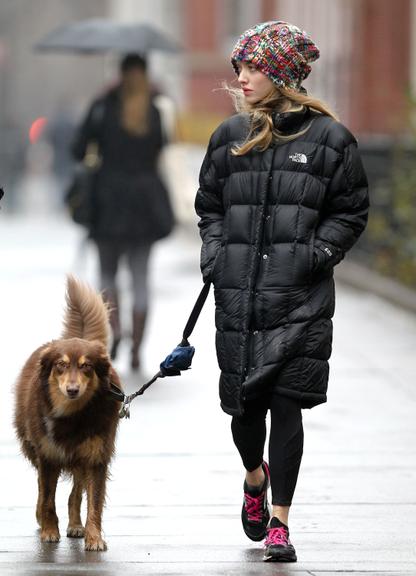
pixel 255 514
pixel 278 547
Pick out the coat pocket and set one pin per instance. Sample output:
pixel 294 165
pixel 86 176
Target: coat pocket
pixel 311 254
pixel 218 264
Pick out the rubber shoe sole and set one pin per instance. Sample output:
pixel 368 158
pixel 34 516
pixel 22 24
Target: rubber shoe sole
pixel 280 554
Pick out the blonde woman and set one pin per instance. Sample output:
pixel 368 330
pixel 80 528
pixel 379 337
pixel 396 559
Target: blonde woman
pixel 282 198
pixel 131 208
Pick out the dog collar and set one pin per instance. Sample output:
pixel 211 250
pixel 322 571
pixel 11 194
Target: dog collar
pixel 116 393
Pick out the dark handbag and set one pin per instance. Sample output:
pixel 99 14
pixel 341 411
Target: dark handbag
pixel 80 196
pixel 161 211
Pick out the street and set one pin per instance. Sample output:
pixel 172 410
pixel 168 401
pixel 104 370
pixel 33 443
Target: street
pixel 175 493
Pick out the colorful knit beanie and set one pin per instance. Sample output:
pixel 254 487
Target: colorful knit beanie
pixel 278 49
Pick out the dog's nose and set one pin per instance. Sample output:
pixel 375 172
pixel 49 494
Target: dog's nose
pixel 72 391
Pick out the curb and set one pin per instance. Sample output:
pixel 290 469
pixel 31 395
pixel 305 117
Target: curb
pixel 362 278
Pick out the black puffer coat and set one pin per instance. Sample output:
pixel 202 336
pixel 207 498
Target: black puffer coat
pixel 131 204
pixel 273 225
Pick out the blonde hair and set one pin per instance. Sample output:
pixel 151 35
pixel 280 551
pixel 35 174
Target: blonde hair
pixel 262 131
pixel 135 107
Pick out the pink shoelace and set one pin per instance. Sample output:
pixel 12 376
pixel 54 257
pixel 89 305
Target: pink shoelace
pixel 254 507
pixel 277 536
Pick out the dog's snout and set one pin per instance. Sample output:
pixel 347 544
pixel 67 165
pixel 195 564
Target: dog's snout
pixel 72 391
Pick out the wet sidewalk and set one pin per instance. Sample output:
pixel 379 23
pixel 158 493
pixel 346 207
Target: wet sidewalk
pixel 175 493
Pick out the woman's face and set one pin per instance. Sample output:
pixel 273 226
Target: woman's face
pixel 134 80
pixel 254 84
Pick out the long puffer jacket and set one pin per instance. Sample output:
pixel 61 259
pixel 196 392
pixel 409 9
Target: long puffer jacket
pixel 273 226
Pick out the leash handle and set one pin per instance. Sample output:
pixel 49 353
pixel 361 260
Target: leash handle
pixel 119 395
pixel 196 311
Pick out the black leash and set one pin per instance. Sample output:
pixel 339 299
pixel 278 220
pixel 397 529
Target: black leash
pixel 196 311
pixel 119 395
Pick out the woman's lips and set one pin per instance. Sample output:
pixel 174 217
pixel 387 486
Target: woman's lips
pixel 247 90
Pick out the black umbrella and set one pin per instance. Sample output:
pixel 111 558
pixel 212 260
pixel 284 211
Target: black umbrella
pixel 101 35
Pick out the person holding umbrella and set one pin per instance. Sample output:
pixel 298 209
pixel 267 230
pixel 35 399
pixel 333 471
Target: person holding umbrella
pixel 282 198
pixel 131 205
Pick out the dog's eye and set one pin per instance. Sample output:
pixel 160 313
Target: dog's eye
pixel 61 366
pixel 85 366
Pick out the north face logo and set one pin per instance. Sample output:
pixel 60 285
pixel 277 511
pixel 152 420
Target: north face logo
pixel 298 157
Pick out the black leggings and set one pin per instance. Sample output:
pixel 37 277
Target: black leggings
pixel 285 443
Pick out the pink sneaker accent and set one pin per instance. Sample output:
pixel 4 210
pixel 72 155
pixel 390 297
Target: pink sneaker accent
pixel 277 537
pixel 278 547
pixel 254 507
pixel 255 514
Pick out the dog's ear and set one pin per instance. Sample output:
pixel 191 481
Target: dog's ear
pixel 47 358
pixel 115 378
pixel 102 366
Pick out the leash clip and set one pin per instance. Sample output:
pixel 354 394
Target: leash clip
pixel 124 411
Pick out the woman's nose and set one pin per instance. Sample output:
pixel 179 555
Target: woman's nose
pixel 242 79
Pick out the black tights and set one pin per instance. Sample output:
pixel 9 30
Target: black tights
pixel 285 443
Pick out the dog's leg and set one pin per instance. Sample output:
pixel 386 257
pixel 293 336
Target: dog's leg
pixel 46 513
pixel 75 528
pixel 96 479
pixel 40 500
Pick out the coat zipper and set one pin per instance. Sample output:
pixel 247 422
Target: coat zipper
pixel 249 348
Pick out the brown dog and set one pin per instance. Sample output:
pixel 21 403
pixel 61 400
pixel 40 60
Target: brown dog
pixel 66 418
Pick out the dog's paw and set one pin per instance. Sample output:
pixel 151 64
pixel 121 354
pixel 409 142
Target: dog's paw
pixel 95 545
pixel 50 535
pixel 76 531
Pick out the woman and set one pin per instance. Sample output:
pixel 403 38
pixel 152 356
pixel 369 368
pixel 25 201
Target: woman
pixel 282 198
pixel 132 208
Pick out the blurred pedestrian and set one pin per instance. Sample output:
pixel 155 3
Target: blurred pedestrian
pixel 282 198
pixel 59 133
pixel 132 207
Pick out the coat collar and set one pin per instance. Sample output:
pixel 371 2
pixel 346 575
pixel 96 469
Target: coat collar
pixel 290 122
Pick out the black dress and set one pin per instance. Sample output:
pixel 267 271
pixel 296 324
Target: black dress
pixel 131 204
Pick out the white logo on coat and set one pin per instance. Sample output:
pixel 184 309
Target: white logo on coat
pixel 298 157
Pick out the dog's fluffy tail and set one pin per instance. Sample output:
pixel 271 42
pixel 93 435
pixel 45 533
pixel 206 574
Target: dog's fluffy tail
pixel 86 314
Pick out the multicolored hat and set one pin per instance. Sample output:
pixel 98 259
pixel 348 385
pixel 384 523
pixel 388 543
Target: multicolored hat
pixel 279 50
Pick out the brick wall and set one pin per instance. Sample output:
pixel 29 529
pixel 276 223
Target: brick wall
pixel 381 66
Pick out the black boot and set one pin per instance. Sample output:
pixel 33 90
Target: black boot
pixel 139 321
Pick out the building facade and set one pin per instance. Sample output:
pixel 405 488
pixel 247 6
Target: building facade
pixel 366 71
pixel 367 64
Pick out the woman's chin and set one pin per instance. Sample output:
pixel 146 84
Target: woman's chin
pixel 251 98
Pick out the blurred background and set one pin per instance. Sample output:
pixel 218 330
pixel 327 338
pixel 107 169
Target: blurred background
pixel 367 72
pixel 360 447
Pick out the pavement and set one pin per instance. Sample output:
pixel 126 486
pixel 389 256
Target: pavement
pixel 356 275
pixel 175 493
